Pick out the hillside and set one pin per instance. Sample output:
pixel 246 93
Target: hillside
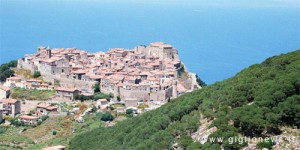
pixel 254 103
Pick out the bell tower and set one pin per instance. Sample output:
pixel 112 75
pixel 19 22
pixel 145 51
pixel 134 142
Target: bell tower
pixel 48 52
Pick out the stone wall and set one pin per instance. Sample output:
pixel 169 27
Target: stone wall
pixel 23 65
pixel 162 95
pixel 140 95
pixel 84 86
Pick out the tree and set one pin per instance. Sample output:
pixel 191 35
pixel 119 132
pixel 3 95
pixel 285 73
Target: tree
pixel 36 74
pixel 185 141
pixel 94 108
pixel 96 88
pixel 199 81
pixel 5 70
pixel 118 98
pixel 107 117
pixel 129 111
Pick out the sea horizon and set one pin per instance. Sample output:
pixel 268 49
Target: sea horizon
pixel 214 41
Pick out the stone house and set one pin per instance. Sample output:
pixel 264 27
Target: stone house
pixel 12 81
pixel 29 120
pixel 102 104
pixel 66 93
pixel 4 92
pixel 131 102
pixel 45 109
pixel 10 107
pixel 120 110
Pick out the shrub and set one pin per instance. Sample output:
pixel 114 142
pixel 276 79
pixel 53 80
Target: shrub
pixel 129 111
pixel 36 74
pixel 6 117
pixel 54 132
pixel 44 117
pixel 265 144
pixel 5 70
pixel 94 108
pixel 107 117
pixel 96 88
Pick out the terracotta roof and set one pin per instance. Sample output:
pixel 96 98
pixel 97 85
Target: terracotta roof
pixel 87 94
pixel 4 88
pixel 80 71
pixel 51 108
pixel 95 76
pixel 66 89
pixel 29 117
pixel 49 60
pixel 43 105
pixel 13 78
pixel 10 101
pixel 34 80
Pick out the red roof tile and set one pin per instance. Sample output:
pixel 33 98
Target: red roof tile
pixel 11 101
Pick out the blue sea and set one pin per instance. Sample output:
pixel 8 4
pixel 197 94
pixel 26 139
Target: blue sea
pixel 215 40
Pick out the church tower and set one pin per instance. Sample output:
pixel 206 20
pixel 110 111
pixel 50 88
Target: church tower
pixel 48 52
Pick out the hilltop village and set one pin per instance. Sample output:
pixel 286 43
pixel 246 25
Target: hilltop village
pixel 132 81
pixel 144 73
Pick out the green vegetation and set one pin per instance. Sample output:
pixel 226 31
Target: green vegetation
pixel 96 88
pixel 256 102
pixel 17 123
pixel 129 111
pixel 200 81
pixel 32 94
pixel 107 117
pixel 12 139
pixel 182 74
pixel 6 71
pixel 36 74
pixel 265 144
pixel 96 96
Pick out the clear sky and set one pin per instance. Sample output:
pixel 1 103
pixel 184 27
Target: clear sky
pixel 216 3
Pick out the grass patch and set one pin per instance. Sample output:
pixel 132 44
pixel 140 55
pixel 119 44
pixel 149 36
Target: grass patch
pixel 13 135
pixel 32 94
pixel 182 74
pixel 25 73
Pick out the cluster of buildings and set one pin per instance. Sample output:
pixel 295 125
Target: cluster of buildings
pixel 13 82
pixel 12 107
pixel 144 73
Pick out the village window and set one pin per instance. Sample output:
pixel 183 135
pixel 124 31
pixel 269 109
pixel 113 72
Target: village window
pixel 62 70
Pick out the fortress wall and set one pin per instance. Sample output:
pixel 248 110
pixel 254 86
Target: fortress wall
pixel 140 95
pixel 162 96
pixel 85 86
pixel 145 95
pixel 23 65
